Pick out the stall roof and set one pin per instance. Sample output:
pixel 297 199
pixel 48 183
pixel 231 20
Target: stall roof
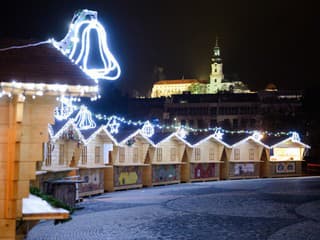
pixel 39 64
pixel 234 138
pixel 34 208
pixel 160 136
pixel 274 141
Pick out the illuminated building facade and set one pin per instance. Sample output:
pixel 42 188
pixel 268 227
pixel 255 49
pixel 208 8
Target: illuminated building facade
pixel 166 88
pixel 217 82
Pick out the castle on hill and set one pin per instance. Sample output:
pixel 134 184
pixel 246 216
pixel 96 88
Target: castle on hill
pixel 216 83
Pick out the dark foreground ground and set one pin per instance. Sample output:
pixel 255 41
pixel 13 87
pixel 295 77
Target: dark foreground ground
pixel 239 209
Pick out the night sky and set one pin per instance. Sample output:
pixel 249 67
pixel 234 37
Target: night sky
pixel 261 41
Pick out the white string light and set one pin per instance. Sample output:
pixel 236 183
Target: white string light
pixel 257 135
pixel 76 45
pixel 83 119
pixel 190 129
pixel 26 45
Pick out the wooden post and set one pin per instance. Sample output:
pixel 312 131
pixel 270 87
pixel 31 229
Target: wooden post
pixel 23 129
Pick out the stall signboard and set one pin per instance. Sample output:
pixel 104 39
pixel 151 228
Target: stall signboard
pixel 243 169
pixel 127 175
pixel 285 167
pixel 284 154
pixel 165 173
pixel 203 170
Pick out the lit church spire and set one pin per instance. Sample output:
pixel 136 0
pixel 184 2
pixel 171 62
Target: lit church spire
pixel 216 52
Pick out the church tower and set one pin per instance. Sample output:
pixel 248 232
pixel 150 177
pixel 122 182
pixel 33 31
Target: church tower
pixel 216 75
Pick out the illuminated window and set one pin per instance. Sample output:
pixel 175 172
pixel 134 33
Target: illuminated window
pixel 84 155
pixel 236 154
pixel 286 154
pixel 173 154
pixel 251 154
pixel 121 154
pixel 159 154
pixel 97 154
pixel 197 154
pixel 211 154
pixel 135 154
pixel 61 154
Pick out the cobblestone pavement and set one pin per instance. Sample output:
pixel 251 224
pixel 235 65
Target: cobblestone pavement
pixel 287 208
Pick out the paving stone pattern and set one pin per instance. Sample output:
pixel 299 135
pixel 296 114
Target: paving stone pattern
pixel 271 209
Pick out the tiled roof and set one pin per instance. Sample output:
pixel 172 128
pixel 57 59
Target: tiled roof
pixel 177 81
pixel 39 64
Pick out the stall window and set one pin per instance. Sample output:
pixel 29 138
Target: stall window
pixel 121 154
pixel 61 154
pixel 49 148
pixel 236 154
pixel 84 155
pixel 197 155
pixel 159 154
pixel 251 154
pixel 97 154
pixel 135 154
pixel 211 154
pixel 173 154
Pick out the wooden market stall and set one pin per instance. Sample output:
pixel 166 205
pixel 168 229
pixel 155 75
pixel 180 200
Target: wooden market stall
pixel 244 155
pixel 129 160
pixel 284 156
pixel 31 79
pixel 60 153
pixel 167 155
pixel 204 157
pixel 94 160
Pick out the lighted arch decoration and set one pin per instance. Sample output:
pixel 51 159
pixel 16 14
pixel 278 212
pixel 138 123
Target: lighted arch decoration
pixel 77 46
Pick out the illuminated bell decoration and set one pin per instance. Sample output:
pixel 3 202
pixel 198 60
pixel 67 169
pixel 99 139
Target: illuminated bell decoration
pixel 84 119
pixel 77 45
pixel 65 109
pixel 218 134
pixel 113 125
pixel 257 135
pixel 295 137
pixel 182 133
pixel 147 129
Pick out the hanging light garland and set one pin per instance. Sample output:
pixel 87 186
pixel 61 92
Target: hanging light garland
pixel 218 130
